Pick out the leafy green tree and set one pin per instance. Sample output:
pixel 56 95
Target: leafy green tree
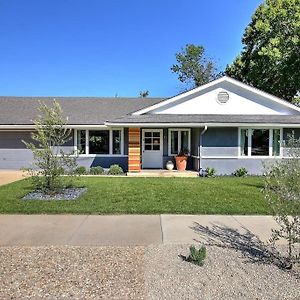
pixel 144 94
pixel 193 67
pixel 270 59
pixel 282 191
pixel 50 162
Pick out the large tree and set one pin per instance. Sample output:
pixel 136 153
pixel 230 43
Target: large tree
pixel 270 59
pixel 193 67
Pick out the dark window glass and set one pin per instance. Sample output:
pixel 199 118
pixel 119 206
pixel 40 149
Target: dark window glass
pixel 260 142
pixel 184 140
pixel 81 141
pixel 244 142
pixel 99 141
pixel 174 142
pixel 147 147
pixel 117 141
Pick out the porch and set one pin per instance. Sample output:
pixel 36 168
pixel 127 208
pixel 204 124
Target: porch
pixel 162 173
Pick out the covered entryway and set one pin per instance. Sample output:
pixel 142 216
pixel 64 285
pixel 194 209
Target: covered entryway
pixel 152 148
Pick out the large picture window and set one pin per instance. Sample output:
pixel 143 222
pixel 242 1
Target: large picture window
pixel 99 142
pixel 179 139
pixel 260 142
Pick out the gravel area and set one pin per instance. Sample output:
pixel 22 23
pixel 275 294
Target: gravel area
pixel 153 272
pixel 227 274
pixel 66 194
pixel 71 272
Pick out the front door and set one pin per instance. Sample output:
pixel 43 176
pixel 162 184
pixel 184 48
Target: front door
pixel 152 156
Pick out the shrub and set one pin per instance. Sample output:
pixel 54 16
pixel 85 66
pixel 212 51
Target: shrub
pixel 115 170
pixel 197 256
pixel 80 170
pixel 210 172
pixel 241 172
pixel 96 170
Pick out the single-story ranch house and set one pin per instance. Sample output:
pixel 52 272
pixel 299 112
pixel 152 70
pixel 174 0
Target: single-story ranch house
pixel 225 124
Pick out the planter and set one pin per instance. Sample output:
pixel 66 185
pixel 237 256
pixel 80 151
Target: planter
pixel 169 165
pixel 181 162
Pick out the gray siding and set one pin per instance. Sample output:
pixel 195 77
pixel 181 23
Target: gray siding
pixel 220 142
pixel 226 166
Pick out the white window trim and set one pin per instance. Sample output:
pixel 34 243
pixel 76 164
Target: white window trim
pixel 87 135
pixel 270 143
pixel 179 139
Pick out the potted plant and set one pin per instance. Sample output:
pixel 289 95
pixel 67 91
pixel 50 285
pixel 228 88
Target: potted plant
pixel 181 159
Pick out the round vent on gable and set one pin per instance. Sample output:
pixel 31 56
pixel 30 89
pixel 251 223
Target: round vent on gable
pixel 222 97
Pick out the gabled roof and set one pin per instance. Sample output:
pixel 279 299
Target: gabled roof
pixel 79 110
pixel 235 82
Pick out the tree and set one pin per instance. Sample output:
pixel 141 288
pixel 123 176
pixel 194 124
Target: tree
pixel 49 160
pixel 270 59
pixel 193 68
pixel 282 191
pixel 144 94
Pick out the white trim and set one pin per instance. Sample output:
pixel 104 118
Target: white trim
pixel 67 126
pixel 179 139
pixel 244 157
pixel 175 125
pixel 215 82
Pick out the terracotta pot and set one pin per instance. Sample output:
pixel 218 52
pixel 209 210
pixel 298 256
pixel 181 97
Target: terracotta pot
pixel 181 162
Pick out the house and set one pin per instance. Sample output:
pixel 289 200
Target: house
pixel 225 124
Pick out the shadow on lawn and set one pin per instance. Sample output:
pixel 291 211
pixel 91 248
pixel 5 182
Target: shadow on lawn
pixel 253 249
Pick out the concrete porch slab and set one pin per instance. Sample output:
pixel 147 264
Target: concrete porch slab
pixel 163 173
pixel 9 176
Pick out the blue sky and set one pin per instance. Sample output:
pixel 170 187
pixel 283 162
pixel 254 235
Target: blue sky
pixel 103 48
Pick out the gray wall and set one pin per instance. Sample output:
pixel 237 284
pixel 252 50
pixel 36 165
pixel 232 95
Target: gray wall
pixel 220 141
pixel 14 154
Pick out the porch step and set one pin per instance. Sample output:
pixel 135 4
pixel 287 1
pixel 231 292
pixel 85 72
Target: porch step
pixel 162 173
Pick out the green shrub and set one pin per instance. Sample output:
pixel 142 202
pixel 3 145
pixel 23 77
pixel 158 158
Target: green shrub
pixel 115 170
pixel 96 170
pixel 197 256
pixel 80 170
pixel 210 172
pixel 241 172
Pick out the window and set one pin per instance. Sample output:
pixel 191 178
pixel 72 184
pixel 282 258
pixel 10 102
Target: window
pixel 152 140
pixel 116 135
pixel 260 142
pixel 99 141
pixel 179 139
pixel 81 134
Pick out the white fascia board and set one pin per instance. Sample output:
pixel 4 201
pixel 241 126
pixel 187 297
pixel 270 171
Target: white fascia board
pixel 33 126
pixel 212 83
pixel 170 125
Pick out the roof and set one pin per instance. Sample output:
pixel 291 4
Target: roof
pixel 207 119
pixel 79 110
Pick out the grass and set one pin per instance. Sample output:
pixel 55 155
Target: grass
pixel 106 195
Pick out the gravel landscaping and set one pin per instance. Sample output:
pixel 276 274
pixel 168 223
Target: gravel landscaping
pixel 154 272
pixel 66 194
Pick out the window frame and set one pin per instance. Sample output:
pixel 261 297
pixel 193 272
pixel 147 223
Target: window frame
pixel 179 139
pixel 87 136
pixel 271 130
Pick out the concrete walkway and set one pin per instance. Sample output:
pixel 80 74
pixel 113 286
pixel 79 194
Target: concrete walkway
pixel 8 176
pixel 91 230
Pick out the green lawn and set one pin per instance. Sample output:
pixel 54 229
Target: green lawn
pixel 106 195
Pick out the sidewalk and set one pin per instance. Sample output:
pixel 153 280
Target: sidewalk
pixel 127 230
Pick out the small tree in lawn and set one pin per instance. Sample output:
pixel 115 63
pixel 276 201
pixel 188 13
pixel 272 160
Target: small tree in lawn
pixel 49 160
pixel 282 190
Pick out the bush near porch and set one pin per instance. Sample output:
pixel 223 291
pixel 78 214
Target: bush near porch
pixel 221 195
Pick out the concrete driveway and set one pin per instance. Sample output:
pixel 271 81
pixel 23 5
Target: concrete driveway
pixel 8 176
pixel 128 230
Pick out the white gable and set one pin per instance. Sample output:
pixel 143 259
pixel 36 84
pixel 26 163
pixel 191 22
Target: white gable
pixel 243 100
